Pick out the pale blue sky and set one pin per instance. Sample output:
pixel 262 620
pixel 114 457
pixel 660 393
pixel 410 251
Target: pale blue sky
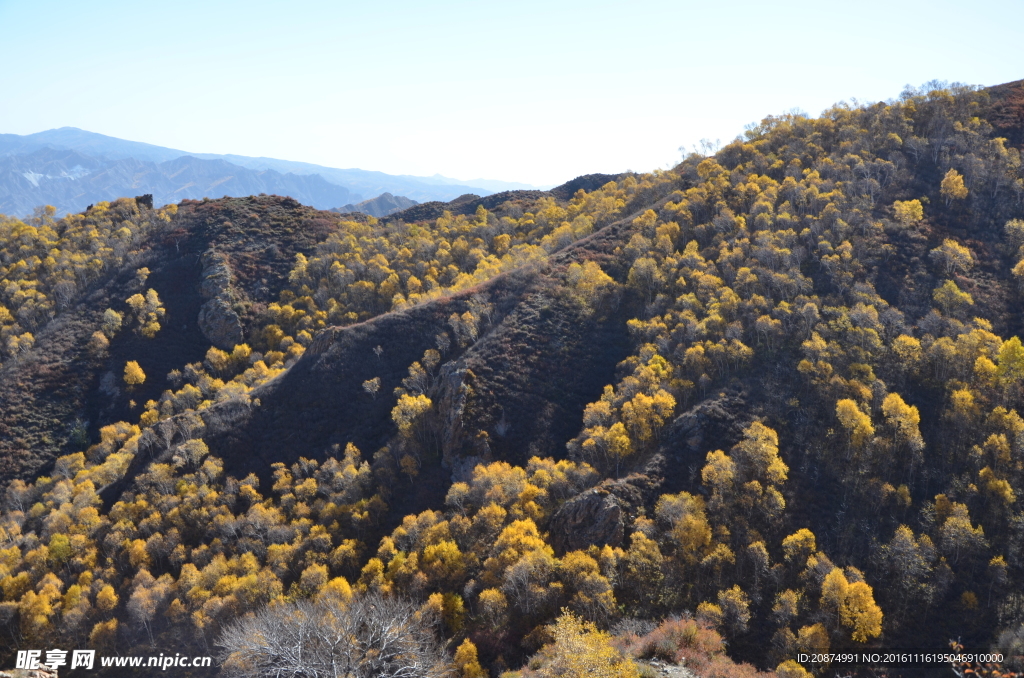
pixel 527 91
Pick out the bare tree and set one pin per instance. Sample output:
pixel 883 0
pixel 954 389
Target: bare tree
pixel 190 424
pixel 373 636
pixel 64 292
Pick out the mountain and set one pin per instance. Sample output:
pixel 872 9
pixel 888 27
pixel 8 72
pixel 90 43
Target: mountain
pixel 86 143
pixel 70 181
pixel 764 404
pixel 381 206
pixel 106 152
pixel 489 184
pixel 363 182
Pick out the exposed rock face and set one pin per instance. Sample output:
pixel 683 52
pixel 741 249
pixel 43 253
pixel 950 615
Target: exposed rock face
pixel 709 425
pixel 462 467
pixel 600 515
pixel 713 424
pixel 220 324
pixel 217 319
pixel 216 275
pixel 451 399
pixel 594 517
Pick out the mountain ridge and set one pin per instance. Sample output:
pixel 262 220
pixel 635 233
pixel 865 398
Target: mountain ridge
pixel 381 206
pixel 361 184
pixel 70 181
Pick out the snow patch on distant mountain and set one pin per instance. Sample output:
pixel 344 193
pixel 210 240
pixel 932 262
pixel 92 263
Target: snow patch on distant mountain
pixel 33 177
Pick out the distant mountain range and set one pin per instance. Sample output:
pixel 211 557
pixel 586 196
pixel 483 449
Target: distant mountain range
pixel 72 168
pixel 381 206
pixel 71 181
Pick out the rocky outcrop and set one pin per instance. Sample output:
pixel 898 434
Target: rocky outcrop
pixel 216 276
pixel 220 324
pixel 217 319
pixel 462 467
pixel 594 517
pixel 452 391
pixel 713 424
pixel 601 515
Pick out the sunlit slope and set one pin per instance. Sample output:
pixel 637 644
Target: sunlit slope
pixel 777 389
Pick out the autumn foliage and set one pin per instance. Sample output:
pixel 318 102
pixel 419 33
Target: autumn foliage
pixel 810 440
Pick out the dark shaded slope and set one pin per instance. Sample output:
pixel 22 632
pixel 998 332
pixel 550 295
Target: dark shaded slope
pixel 50 397
pixel 518 390
pixel 258 238
pixel 260 235
pixel 55 398
pixel 1006 111
pixel 41 395
pixel 320 401
pixel 530 379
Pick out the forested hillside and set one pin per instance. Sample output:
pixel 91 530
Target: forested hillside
pixel 767 402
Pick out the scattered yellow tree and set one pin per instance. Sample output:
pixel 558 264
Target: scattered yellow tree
pixel 466 661
pixel 952 187
pixel 908 212
pixel 133 374
pixel 953 257
pixel 855 421
pixel 408 410
pixel 854 604
pixel 580 650
pixel 951 299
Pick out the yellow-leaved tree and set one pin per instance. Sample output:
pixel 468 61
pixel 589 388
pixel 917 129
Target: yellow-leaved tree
pixel 581 650
pixel 952 186
pixel 408 410
pixel 853 603
pixel 133 374
pixel 856 421
pixel 467 662
pixel 908 212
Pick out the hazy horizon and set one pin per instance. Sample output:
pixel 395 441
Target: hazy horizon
pixel 412 90
pixel 200 154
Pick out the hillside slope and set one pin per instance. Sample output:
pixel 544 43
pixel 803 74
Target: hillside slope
pixel 55 393
pixel 775 392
